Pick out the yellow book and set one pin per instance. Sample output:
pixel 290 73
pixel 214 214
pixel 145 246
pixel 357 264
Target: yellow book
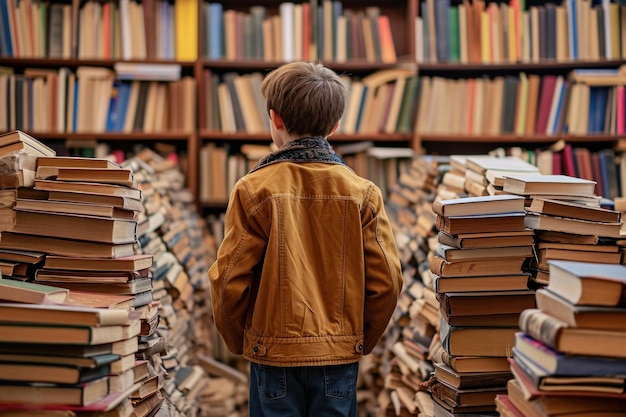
pixel 186 12
pixel 512 39
pixel 562 42
pixel 615 34
pixel 522 109
pixel 485 38
pixel 534 24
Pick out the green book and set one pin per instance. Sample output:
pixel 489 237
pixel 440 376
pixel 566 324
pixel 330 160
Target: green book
pixel 30 292
pixel 453 26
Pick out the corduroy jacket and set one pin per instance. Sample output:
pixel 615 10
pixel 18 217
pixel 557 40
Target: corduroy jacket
pixel 308 272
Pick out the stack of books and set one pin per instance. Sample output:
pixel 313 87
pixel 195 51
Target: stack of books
pixel 484 174
pixel 172 235
pixel 18 162
pixel 568 221
pixel 59 357
pixel 415 321
pixel 569 356
pixel 478 280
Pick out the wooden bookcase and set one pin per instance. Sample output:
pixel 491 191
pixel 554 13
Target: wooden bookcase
pixel 402 15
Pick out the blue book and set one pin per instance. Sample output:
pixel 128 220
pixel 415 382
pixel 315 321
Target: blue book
pixel 216 31
pixel 598 98
pixel 555 363
pixel 123 95
pixel 559 107
pixel 6 47
pixel 112 113
pixel 361 105
pixel 75 110
pixel 337 11
pixel 442 31
pixel 573 29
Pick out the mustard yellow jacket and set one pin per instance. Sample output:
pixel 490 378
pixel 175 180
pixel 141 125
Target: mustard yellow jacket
pixel 308 272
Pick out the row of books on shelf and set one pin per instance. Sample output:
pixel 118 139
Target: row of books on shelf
pixel 528 104
pixel 307 31
pixel 109 30
pixel 380 102
pixel 162 30
pixel 221 165
pixel 604 167
pixel 92 99
pixel 505 32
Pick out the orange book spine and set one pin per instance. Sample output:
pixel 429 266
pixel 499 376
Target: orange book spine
pixel 386 40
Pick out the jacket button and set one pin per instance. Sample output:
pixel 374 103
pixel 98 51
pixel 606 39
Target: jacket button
pixel 255 349
pixel 360 346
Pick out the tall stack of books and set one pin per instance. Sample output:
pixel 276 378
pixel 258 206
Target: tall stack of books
pixel 404 362
pixel 568 221
pixel 478 279
pixel 59 357
pixel 172 233
pixel 569 357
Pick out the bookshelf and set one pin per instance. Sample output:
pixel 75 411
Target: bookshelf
pixel 143 33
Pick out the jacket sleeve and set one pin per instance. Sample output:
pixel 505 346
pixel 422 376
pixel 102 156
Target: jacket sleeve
pixel 232 273
pixel 383 273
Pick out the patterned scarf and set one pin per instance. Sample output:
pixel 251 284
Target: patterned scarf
pixel 309 149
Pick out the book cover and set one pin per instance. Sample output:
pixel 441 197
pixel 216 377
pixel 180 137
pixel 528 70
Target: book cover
pixel 30 292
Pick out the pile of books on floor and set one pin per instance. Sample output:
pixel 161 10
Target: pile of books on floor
pixel 569 357
pixel 60 357
pixel 91 230
pixel 568 221
pixel 401 359
pixel 482 289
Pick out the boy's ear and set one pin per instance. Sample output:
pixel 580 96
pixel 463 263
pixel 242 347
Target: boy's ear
pixel 276 120
pixel 334 129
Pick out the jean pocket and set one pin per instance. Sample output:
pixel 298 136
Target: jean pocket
pixel 272 382
pixel 340 380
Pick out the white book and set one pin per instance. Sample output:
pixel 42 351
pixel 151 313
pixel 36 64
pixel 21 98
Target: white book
pixel 419 39
pixel 556 98
pixel 127 52
pixel 286 19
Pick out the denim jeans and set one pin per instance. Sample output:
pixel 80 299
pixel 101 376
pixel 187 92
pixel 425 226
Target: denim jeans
pixel 308 391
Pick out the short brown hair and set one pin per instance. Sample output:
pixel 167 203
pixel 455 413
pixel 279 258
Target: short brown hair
pixel 309 97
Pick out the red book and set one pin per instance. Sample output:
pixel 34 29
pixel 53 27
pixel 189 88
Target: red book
pixel 620 108
pixel 597 173
pixel 548 84
pixel 106 19
pixel 556 163
pixel 387 46
pixel 569 163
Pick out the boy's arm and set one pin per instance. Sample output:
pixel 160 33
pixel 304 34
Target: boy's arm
pixel 383 273
pixel 231 274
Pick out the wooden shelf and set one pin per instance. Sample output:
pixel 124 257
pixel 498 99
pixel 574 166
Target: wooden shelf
pixel 266 66
pixel 518 66
pixel 146 137
pixel 214 204
pixel 265 137
pixel 497 139
pixel 57 62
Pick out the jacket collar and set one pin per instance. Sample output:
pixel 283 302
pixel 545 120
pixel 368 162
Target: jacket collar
pixel 309 149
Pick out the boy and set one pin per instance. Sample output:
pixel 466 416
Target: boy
pixel 308 275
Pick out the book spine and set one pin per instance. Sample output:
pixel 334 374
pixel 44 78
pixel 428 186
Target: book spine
pixel 541 326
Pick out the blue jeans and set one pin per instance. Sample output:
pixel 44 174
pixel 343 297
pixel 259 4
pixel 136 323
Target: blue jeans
pixel 307 391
